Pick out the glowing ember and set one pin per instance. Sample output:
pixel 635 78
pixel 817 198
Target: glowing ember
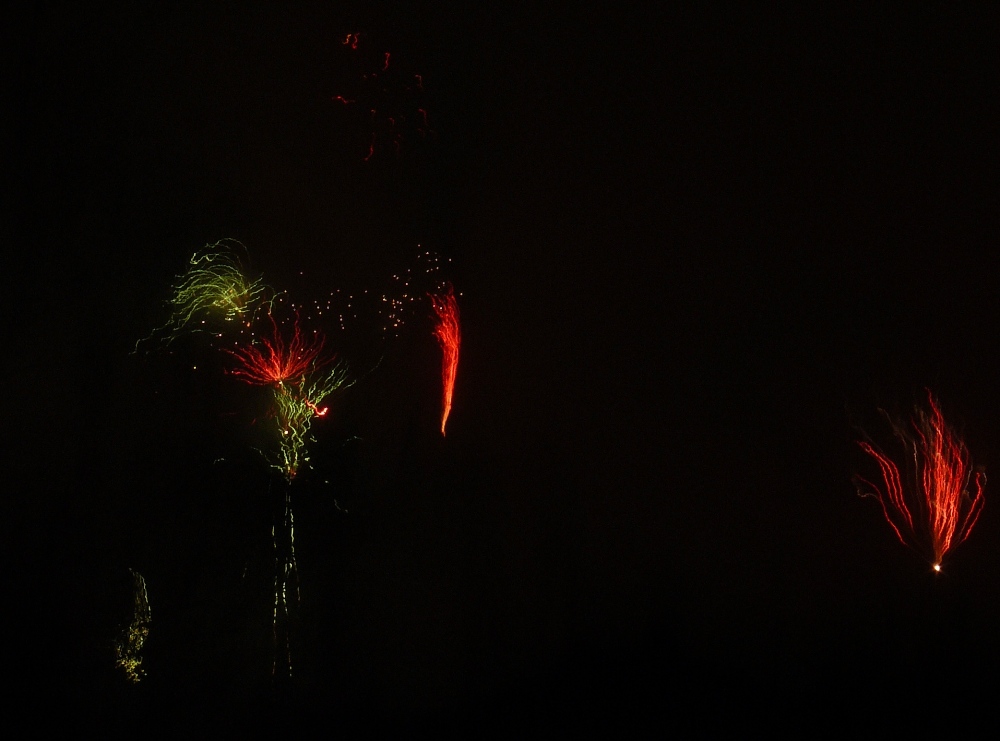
pixel 936 504
pixel 449 337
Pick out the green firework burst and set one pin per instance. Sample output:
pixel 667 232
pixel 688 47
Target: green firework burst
pixel 296 406
pixel 214 284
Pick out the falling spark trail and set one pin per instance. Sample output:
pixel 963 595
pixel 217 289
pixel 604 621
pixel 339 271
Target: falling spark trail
pixel 934 504
pixel 449 336
pixel 286 580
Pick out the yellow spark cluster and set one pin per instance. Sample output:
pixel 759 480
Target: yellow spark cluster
pixel 130 642
pixel 406 294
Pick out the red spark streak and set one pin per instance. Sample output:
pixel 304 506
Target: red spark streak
pixel 938 485
pixel 449 337
pixel 316 410
pixel 274 361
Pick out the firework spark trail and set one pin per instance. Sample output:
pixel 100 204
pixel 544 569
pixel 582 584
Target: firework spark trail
pixel 288 361
pixel 130 642
pixel 939 485
pixel 292 369
pixel 296 406
pixel 286 578
pixel 449 337
pixel 274 360
pixel 214 283
pixel 385 100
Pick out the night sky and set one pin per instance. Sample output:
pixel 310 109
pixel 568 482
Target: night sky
pixel 697 251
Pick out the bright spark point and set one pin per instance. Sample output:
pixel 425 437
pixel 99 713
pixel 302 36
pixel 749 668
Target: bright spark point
pixel 449 337
pixel 935 505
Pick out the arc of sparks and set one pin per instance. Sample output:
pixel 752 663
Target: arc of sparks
pixel 937 499
pixel 214 283
pixel 447 330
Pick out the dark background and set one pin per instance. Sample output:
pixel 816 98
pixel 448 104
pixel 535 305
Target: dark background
pixel 694 250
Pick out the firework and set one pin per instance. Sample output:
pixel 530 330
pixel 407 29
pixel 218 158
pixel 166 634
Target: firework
pixel 289 361
pixel 296 405
pixel 286 584
pixel 934 502
pixel 291 367
pixel 214 284
pixel 384 99
pixel 274 360
pixel 449 337
pixel 130 642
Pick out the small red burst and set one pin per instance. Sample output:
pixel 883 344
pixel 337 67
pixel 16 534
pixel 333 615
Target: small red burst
pixel 449 336
pixel 274 360
pixel 936 502
pixel 383 100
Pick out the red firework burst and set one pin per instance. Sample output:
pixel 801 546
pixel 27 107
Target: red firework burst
pixel 449 336
pixel 934 504
pixel 272 361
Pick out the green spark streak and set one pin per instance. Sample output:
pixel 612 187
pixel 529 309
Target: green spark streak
pixel 131 640
pixel 213 284
pixel 296 406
